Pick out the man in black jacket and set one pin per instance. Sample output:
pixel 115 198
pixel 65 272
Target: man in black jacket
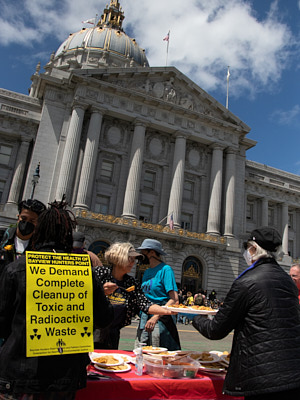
pixel 263 310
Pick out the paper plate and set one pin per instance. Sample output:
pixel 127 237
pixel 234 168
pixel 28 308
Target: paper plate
pixel 190 310
pixel 151 350
pixel 212 370
pixel 125 368
pixel 214 357
pixel 95 356
pixel 225 359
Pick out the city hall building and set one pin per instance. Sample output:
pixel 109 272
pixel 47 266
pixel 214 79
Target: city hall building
pixel 141 152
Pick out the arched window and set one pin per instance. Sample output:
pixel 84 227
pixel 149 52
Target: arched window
pixel 98 247
pixel 192 272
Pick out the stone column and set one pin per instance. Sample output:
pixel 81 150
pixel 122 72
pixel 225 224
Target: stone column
pixel 132 191
pixel 86 181
pixel 120 191
pixel 229 192
pixel 264 212
pixel 202 204
pixel 69 158
pixel 214 210
pixel 285 228
pixel 163 195
pixel 176 192
pixel 15 187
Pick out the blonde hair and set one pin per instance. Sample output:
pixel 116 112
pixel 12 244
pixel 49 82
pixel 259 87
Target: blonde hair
pixel 117 253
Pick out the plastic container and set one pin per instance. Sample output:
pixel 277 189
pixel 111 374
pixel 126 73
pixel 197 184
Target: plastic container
pixel 184 368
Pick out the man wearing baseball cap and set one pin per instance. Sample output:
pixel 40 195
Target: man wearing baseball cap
pixel 263 310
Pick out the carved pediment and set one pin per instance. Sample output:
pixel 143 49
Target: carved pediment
pixel 173 88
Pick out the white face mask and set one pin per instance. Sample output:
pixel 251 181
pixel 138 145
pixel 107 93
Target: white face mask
pixel 248 258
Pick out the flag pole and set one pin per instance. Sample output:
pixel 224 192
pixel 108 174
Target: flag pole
pixel 95 23
pixel 165 218
pixel 167 39
pixel 228 75
pixel 167 53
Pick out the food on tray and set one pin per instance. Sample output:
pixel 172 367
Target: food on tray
pixel 147 348
pixel 202 308
pixel 126 358
pixel 167 353
pixel 194 356
pixel 205 356
pixel 106 360
pixel 178 306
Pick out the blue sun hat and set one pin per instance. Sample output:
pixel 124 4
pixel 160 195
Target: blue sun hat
pixel 152 244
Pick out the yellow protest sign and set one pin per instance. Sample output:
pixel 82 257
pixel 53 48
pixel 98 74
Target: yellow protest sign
pixel 59 303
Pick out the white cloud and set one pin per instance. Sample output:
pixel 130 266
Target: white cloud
pixel 288 117
pixel 206 36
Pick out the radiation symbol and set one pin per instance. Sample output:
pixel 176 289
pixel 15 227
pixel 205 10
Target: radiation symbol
pixel 35 335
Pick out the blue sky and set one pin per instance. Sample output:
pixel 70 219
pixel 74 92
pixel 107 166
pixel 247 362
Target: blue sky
pixel 258 39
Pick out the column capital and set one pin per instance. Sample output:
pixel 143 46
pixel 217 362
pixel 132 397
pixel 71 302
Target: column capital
pixel 99 110
pixel 217 146
pixel 140 122
pixel 231 150
pixel 180 134
pixel 78 104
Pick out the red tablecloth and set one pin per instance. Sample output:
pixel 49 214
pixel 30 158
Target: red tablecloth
pixel 129 386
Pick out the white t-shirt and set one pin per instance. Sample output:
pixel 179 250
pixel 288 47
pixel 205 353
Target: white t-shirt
pixel 20 245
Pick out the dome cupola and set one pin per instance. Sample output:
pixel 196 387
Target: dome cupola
pixel 103 45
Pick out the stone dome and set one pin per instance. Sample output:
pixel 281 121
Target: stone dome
pixel 105 44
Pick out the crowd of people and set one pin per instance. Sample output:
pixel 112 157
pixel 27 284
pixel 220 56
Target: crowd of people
pixel 199 298
pixel 261 307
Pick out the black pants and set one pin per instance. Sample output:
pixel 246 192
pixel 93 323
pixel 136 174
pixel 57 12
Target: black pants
pixel 293 394
pixel 106 338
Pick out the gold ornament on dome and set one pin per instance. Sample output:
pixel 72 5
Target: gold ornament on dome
pixel 111 219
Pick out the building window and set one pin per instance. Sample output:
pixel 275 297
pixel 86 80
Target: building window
pixel 107 169
pixel 146 213
pixel 5 153
pixel 250 211
pixel 149 180
pixel 186 221
pixel 188 190
pixel 102 204
pixel 2 185
pixel 291 221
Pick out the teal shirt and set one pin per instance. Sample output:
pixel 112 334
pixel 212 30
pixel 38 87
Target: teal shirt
pixel 158 282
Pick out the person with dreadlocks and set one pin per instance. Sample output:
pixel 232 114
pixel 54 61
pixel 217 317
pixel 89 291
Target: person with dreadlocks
pixel 43 377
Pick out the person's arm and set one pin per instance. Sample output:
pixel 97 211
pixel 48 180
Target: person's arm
pixel 8 294
pixel 95 260
pixel 103 310
pixel 173 298
pixel 228 316
pixel 150 324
